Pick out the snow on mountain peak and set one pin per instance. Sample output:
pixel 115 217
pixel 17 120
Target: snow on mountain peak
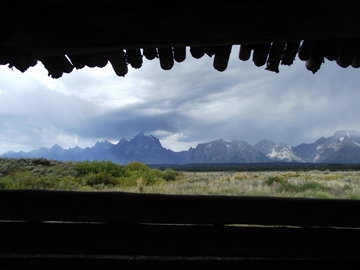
pixel 319 147
pixel 357 144
pixel 347 133
pixel 152 138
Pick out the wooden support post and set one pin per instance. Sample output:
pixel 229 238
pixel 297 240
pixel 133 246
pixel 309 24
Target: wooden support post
pixel 150 53
pixel 275 55
pixel 260 55
pixel 134 58
pixel 77 60
pixel 210 50
pixel 179 54
pixel 51 64
pixel 64 64
pixel 244 52
pixel 166 58
pixel 221 59
pixel 306 49
pixel 197 51
pixel 349 53
pixel 356 62
pixel 335 47
pixel 118 63
pixel 290 53
pixel 100 59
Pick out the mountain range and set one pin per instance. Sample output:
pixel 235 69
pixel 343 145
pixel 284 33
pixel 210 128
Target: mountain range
pixel 342 147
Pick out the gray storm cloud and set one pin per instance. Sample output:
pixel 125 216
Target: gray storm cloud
pixel 191 103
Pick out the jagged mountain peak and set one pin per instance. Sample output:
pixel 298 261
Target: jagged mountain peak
pixel 122 141
pixel 277 151
pixel 265 146
pixel 75 150
pixel 142 137
pixel 154 139
pixel 320 140
pixel 239 143
pixel 215 144
pixel 263 141
pixel 342 147
pixel 141 140
pixel 220 151
pixel 104 144
pixel 334 149
pixel 139 135
pixel 347 133
pixel 56 147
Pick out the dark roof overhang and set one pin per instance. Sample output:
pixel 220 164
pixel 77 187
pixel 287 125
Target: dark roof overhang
pixel 77 33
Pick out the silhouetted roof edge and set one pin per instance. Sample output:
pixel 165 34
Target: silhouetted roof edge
pixel 67 34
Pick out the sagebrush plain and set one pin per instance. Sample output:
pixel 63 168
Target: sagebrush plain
pixel 137 177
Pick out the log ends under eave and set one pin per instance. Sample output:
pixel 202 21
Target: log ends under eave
pixel 346 52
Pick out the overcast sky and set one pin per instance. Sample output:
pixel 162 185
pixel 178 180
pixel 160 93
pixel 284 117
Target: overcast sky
pixel 190 104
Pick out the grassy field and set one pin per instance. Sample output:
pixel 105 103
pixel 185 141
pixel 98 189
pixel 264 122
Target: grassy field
pixel 312 184
pixel 136 177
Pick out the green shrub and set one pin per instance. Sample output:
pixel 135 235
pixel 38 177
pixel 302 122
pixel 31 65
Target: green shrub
pixel 274 179
pixel 41 161
pixel 354 197
pixel 6 167
pixel 136 170
pixel 137 166
pixel 94 167
pixel 35 173
pixel 6 182
pixel 69 183
pixel 140 171
pixel 128 182
pixel 38 171
pixel 169 174
pixel 291 175
pixel 45 182
pixel 27 181
pixel 100 178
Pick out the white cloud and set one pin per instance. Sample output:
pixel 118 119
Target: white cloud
pixel 175 141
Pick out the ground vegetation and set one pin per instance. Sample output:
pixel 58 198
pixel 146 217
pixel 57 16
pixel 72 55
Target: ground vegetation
pixel 281 181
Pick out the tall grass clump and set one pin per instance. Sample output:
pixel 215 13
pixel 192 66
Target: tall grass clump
pixel 240 176
pixel 299 188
